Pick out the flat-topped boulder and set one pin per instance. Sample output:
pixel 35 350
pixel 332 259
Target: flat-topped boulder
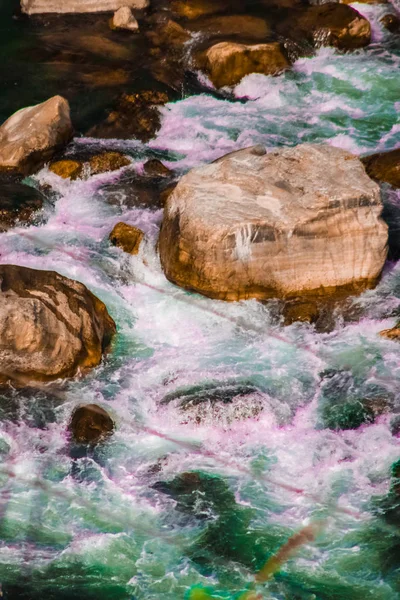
pixel 51 327
pixel 31 136
pixel 32 7
pixel 293 222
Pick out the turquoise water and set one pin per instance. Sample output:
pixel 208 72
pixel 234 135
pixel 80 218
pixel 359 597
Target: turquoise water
pixel 310 438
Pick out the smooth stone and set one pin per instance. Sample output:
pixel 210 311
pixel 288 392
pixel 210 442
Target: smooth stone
pixel 227 63
pixel 294 222
pixel 51 327
pixel 18 204
pixel 193 9
pixel 251 28
pixel 31 136
pixel 384 167
pixel 126 237
pixel 90 424
pixel 123 19
pixel 32 7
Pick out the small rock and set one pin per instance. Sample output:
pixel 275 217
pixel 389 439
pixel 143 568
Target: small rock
pixel 391 334
pixel 67 169
pixel 384 167
pixel 227 63
pixel 155 168
pixel 30 137
pixel 90 424
pixel 108 161
pixel 391 22
pixel 18 203
pixel 123 19
pixel 126 237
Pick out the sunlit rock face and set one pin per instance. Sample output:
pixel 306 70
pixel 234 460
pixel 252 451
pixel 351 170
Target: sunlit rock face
pixel 302 220
pixel 31 136
pixel 50 326
pixel 79 6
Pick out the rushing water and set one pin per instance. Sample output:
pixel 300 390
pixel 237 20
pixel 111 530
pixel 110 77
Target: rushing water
pixel 311 435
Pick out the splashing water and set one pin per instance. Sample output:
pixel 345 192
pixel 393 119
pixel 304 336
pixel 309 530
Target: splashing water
pixel 320 442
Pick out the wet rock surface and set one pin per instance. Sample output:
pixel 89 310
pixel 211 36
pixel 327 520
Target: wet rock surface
pixel 30 137
pixel 51 327
pixel 328 24
pixel 278 206
pixel 90 424
pixel 18 203
pixel 32 7
pixel 126 237
pixel 384 167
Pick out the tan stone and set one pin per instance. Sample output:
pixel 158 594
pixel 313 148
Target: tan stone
pixel 31 136
pixel 67 169
pixel 391 334
pixel 384 167
pixel 291 223
pixel 32 7
pixel 123 19
pixel 126 237
pixel 107 161
pixel 227 63
pixel 51 327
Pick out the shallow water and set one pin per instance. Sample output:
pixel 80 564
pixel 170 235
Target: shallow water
pixel 95 526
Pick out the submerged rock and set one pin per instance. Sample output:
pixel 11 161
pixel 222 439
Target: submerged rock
pixel 391 22
pixel 67 169
pixel 391 334
pixel 51 327
pixel 30 137
pixel 384 167
pixel 79 6
pixel 107 161
pixel 123 19
pixel 227 62
pixel 328 24
pixel 127 237
pixel 193 9
pixel 295 221
pixel 90 424
pixel 18 204
pixel 135 115
pixel 155 168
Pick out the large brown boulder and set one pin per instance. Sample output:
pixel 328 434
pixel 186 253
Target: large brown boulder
pixel 294 222
pixel 227 62
pixel 329 24
pixel 384 167
pixel 90 424
pixel 193 9
pixel 50 326
pixel 32 7
pixel 246 27
pixel 30 137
